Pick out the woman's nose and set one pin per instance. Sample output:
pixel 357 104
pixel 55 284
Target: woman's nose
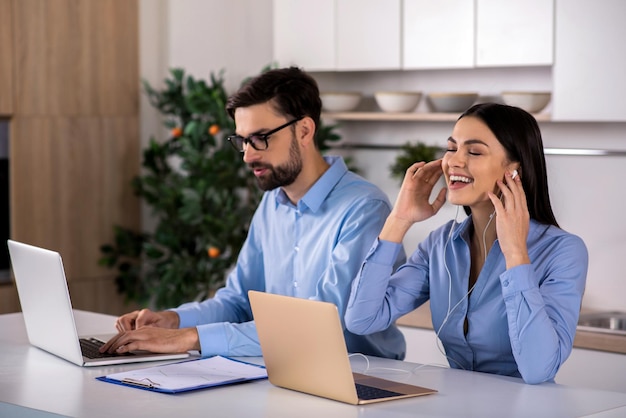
pixel 454 159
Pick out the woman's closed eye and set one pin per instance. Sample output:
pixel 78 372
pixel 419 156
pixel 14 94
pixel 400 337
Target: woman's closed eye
pixel 474 153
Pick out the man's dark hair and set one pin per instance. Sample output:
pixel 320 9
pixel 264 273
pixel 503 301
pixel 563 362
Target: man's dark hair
pixel 291 91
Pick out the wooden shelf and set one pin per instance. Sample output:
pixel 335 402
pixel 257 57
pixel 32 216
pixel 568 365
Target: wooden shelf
pixel 406 117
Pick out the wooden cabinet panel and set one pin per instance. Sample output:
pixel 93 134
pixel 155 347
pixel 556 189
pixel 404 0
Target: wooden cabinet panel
pixel 92 294
pixel 6 59
pixel 74 133
pixel 9 301
pixel 76 57
pixel 98 295
pixel 72 184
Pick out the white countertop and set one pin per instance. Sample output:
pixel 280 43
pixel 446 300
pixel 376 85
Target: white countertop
pixel 35 383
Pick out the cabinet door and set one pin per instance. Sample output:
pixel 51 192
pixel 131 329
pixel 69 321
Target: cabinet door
pixel 438 34
pixel 590 62
pixel 423 346
pixel 75 134
pixel 594 369
pixel 304 34
pixel 368 34
pixel 514 33
pixel 6 59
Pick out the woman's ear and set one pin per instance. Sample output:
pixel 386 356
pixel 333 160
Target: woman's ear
pixel 515 169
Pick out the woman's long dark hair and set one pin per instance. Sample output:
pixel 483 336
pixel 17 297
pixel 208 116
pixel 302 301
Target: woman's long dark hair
pixel 519 134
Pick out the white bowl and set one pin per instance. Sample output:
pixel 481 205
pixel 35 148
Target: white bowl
pixel 340 101
pixel 532 102
pixel 397 101
pixel 451 102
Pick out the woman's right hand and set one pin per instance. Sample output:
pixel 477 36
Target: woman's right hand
pixel 412 204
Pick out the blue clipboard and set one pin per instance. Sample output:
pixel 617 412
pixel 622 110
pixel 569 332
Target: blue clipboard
pixel 188 375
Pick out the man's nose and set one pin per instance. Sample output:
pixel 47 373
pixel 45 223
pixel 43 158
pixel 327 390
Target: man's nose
pixel 249 154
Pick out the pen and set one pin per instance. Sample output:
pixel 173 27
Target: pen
pixel 146 383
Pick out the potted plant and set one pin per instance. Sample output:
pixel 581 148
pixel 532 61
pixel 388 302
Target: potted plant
pixel 201 194
pixel 411 153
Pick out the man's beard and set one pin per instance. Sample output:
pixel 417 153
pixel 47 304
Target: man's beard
pixel 282 175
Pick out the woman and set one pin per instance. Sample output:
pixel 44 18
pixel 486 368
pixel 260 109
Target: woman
pixel 505 284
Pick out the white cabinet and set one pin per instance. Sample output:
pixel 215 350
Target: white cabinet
pixel 368 35
pixel 422 346
pixel 594 369
pixel 590 62
pixel 479 33
pixel 339 35
pixel 514 33
pixel 584 368
pixel 438 34
pixel 371 35
pixel 304 34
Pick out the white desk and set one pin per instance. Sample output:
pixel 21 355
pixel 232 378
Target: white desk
pixel 34 383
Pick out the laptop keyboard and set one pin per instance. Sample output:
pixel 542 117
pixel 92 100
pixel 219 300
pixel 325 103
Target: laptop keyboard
pixel 91 349
pixel 367 393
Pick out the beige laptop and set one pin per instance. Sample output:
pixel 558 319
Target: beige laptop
pixel 304 349
pixel 48 315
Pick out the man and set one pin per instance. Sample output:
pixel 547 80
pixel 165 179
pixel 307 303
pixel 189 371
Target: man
pixel 308 237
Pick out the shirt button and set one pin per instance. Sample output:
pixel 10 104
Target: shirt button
pixel 295 284
pixel 505 283
pixel 296 248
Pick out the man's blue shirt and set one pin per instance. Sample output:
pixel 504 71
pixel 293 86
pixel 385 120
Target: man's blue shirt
pixel 312 250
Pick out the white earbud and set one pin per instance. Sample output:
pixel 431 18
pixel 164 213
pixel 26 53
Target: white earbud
pixel 514 174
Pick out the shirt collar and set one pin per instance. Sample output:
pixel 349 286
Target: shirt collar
pixel 316 195
pixel 463 229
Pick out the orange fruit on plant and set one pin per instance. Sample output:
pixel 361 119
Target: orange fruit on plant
pixel 214 129
pixel 176 132
pixel 213 252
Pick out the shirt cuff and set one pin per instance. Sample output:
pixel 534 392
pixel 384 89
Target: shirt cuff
pixel 517 279
pixel 186 317
pixel 384 252
pixel 213 340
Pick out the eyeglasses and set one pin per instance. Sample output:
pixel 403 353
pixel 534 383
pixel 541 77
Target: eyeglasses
pixel 257 141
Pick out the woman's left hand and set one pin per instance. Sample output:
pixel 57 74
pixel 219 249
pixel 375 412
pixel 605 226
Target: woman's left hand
pixel 512 221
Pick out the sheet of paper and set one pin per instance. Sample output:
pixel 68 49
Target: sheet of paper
pixel 206 372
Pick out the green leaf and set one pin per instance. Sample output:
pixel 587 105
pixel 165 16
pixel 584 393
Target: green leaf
pixel 199 193
pixel 410 154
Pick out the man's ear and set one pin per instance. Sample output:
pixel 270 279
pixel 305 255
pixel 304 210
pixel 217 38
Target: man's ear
pixel 306 131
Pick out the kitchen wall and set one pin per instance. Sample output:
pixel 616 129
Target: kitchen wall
pixel 209 35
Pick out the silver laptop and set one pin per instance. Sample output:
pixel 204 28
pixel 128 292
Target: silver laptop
pixel 47 310
pixel 304 349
